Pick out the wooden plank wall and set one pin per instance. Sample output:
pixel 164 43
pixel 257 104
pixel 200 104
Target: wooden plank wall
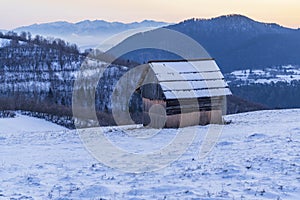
pixel 174 107
pixel 194 117
pixel 147 103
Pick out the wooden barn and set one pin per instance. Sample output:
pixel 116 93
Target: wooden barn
pixel 183 93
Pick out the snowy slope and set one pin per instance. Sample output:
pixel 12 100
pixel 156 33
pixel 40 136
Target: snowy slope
pixel 257 157
pixel 28 124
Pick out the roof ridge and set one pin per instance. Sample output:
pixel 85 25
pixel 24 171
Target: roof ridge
pixel 180 60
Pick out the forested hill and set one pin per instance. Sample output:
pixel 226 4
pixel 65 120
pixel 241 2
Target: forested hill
pixel 37 68
pixel 38 74
pixel 235 41
pixel 238 42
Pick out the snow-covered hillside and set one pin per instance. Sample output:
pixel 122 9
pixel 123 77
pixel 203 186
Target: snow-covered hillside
pixel 49 73
pixel 274 87
pixel 257 157
pixel 285 74
pixel 4 42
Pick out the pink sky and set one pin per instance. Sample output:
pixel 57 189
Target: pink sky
pixel 15 13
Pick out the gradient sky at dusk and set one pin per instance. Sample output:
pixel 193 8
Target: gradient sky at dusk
pixel 15 13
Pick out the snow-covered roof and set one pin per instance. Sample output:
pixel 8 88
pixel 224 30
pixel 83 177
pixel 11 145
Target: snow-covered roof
pixel 190 79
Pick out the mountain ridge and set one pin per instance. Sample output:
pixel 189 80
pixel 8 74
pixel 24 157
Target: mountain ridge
pixel 90 33
pixel 87 33
pixel 235 41
pixel 240 17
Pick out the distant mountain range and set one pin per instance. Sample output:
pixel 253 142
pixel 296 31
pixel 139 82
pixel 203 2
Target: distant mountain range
pixel 235 41
pixel 86 34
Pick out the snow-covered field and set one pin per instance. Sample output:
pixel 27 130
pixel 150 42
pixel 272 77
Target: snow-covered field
pixel 256 157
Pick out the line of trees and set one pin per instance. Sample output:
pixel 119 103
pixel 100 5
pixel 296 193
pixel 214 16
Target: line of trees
pixel 274 95
pixel 54 43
